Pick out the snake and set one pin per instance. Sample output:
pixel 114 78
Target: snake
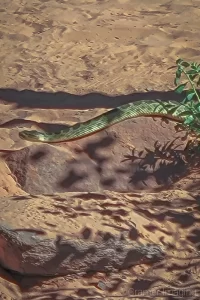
pixel 171 109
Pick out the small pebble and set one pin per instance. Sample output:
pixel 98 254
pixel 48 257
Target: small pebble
pixel 102 285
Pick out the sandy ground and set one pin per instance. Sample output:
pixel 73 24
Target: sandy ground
pixel 66 61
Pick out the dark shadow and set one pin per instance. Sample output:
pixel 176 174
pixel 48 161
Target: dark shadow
pixel 22 197
pixel 60 100
pixel 92 147
pixel 194 237
pixel 165 163
pixel 91 196
pixel 7 275
pixel 86 233
pixel 71 178
pixel 38 155
pixel 184 219
pixel 141 285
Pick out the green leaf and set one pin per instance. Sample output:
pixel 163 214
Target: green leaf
pixel 194 65
pixel 191 72
pixel 197 115
pixel 186 100
pixel 197 107
pixel 189 91
pixel 179 61
pixel 198 82
pixel 189 120
pixel 185 64
pixel 178 76
pixel 176 81
pixel 180 88
pixel 190 96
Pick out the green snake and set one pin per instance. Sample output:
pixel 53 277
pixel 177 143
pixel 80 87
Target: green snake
pixel 173 110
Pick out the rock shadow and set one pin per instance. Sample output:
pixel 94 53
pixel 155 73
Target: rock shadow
pixel 63 100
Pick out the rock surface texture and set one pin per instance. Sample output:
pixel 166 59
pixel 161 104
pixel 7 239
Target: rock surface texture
pixel 27 254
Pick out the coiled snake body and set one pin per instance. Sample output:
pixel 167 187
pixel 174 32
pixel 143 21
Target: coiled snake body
pixel 170 109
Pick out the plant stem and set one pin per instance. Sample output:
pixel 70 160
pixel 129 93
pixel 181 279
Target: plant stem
pixel 192 84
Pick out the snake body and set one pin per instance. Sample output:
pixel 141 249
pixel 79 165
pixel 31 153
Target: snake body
pixel 170 109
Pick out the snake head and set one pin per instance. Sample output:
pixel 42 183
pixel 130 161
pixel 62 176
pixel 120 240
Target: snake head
pixel 32 135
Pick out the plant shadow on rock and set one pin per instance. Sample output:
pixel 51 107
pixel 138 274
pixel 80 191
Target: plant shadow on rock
pixel 94 165
pixel 165 163
pixel 91 150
